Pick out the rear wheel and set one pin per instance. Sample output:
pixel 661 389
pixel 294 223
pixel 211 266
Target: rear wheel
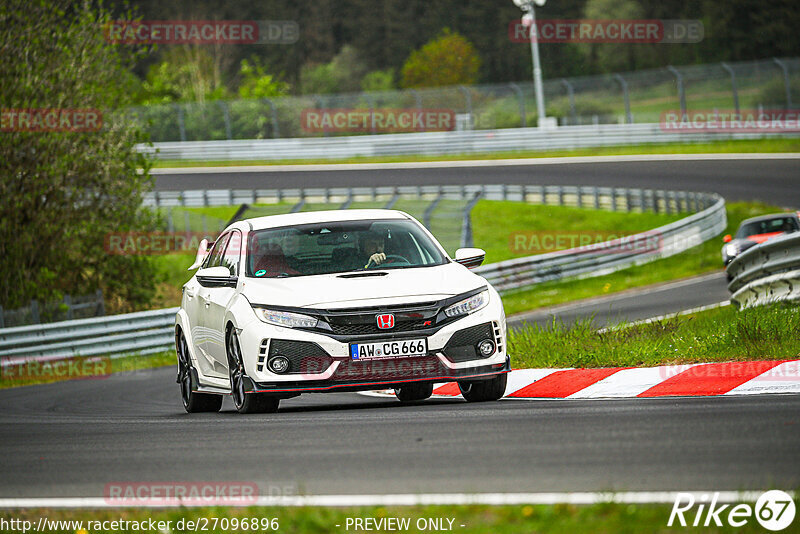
pixel 245 402
pixel 485 390
pixel 192 402
pixel 414 392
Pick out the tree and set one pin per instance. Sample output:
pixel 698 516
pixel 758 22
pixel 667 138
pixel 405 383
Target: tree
pixel 342 75
pixel 447 60
pixel 185 74
pixel 378 80
pixel 256 83
pixel 63 191
pixel 616 57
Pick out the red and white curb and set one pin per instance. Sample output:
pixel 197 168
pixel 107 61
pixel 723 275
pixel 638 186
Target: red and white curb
pixel 699 380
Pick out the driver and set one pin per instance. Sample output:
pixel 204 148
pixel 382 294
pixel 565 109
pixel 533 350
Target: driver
pixel 371 249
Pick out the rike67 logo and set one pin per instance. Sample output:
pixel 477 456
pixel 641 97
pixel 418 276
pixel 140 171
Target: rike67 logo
pixel 774 510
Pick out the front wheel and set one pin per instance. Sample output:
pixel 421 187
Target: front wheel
pixel 245 402
pixel 414 392
pixel 485 390
pixel 193 402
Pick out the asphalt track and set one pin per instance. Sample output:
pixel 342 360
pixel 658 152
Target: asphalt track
pixel 73 438
pixel 776 181
pixel 635 304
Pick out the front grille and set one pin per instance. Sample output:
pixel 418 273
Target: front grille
pixel 372 328
pixel 363 321
pixel 390 369
pixel 304 357
pixel 461 347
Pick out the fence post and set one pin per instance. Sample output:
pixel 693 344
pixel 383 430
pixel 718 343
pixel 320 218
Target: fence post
pixel 580 197
pixel 170 222
pixel 181 125
pixel 466 225
pixel 426 218
pixel 626 97
pixel 468 102
pixel 786 84
pixel 681 90
pixel 68 302
pixel 35 312
pixel 187 222
pixel 571 95
pixel 101 307
pixel 523 119
pixel 734 88
pixel 274 113
pixel 2 319
pixel 226 116
pixel 596 195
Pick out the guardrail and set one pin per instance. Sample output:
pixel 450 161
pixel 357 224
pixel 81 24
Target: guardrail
pixel 435 143
pixel 152 331
pixel 766 273
pixel 142 332
pixel 604 258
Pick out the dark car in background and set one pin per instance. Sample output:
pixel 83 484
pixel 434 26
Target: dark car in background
pixel 757 230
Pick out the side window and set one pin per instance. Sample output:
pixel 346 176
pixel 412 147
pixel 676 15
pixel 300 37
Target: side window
pixel 230 258
pixel 215 257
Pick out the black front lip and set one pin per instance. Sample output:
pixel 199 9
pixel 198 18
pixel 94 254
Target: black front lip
pixel 323 386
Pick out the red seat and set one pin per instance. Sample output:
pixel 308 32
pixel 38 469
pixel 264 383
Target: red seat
pixel 273 261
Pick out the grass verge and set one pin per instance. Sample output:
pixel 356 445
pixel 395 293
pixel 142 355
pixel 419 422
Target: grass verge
pixel 611 518
pixel 755 145
pixel 86 368
pixel 721 334
pixel 701 259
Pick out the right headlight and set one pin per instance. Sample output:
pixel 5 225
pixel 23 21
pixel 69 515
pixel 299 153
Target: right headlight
pixel 284 318
pixel 731 250
pixel 468 305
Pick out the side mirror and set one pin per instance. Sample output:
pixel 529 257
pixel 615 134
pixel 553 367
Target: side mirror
pixel 470 257
pixel 727 239
pixel 216 277
pixel 202 252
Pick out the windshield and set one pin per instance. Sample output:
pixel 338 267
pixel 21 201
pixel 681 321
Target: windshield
pixel 779 224
pixel 338 247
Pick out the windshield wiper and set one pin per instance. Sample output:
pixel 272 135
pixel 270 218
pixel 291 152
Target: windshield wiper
pixel 362 274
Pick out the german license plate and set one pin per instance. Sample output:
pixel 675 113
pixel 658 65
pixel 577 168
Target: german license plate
pixel 406 348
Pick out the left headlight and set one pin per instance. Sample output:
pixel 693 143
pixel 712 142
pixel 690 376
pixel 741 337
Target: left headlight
pixel 284 318
pixel 468 305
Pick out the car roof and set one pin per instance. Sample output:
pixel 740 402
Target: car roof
pixel 310 217
pixel 768 217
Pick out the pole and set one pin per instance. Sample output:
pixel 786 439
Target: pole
pixel 537 68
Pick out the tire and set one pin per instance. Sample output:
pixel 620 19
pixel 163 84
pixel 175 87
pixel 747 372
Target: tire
pixel 245 402
pixel 485 390
pixel 193 402
pixel 414 392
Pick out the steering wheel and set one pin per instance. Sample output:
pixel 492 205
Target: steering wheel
pixel 390 258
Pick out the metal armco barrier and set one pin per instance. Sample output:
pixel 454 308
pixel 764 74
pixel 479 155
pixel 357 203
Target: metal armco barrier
pixel 433 143
pixel 142 332
pixel 153 331
pixel 766 273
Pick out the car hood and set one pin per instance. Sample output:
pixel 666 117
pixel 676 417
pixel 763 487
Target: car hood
pixel 332 291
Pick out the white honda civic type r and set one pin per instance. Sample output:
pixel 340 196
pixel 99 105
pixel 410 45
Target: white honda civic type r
pixel 331 301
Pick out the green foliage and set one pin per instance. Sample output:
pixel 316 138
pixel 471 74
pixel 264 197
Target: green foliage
pixel 378 80
pixel 63 191
pixel 723 334
pixel 256 83
pixel 616 57
pixel 449 59
pixel 185 74
pixel 342 75
pixel 773 94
